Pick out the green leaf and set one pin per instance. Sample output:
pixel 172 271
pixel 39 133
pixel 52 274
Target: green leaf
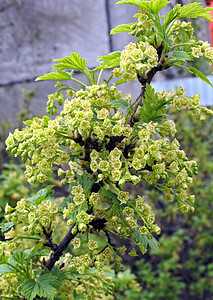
pixel 191 10
pixel 172 15
pixel 46 193
pixel 141 238
pixel 196 73
pixel 18 257
pixel 133 2
pixel 84 181
pixel 119 103
pixel 157 5
pixel 109 61
pixel 6 226
pixel 61 275
pixel 199 75
pixel 117 207
pixel 43 287
pixel 153 6
pixel 162 32
pixel 195 10
pixel 122 28
pixel 121 80
pixel 153 243
pixel 58 75
pixel 181 55
pixel 153 109
pixel 74 61
pixel 5 268
pixel 33 250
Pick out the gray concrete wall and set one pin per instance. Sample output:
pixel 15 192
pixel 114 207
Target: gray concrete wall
pixel 33 32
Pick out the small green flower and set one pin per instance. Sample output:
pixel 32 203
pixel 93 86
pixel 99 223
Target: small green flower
pixel 45 221
pixel 143 230
pixel 76 242
pixel 92 244
pixel 128 212
pixel 123 196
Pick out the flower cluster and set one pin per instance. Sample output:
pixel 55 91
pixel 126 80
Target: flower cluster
pixel 180 100
pixel 142 25
pixel 138 59
pixel 52 99
pixel 40 219
pixel 95 285
pixel 37 143
pixel 9 286
pixel 178 27
pixel 203 49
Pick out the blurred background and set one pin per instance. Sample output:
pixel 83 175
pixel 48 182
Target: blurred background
pixel 32 34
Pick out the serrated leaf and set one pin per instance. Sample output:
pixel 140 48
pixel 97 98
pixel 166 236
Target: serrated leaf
pixel 111 60
pixel 5 268
pixel 84 181
pixel 196 73
pixel 117 207
pixel 74 61
pixel 181 55
pixel 199 75
pixel 33 250
pixel 43 287
pixel 141 238
pixel 133 2
pixel 162 32
pixel 41 195
pixel 153 6
pixel 153 109
pixel 122 28
pixel 195 10
pixel 6 226
pixel 110 194
pixel 153 243
pixel 157 5
pixel 60 274
pixel 18 257
pixel 171 15
pixel 122 80
pixel 119 103
pixel 59 75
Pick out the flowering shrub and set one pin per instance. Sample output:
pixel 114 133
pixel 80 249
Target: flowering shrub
pixel 183 266
pixel 98 149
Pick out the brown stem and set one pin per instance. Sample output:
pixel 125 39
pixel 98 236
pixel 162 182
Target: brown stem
pixel 57 253
pixel 49 242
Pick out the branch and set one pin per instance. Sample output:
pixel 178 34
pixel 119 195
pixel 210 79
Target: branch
pixel 144 82
pixel 57 253
pixel 49 242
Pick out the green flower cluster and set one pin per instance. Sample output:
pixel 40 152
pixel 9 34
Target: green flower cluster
pixel 180 101
pixel 7 247
pixel 94 285
pixel 138 59
pixel 198 48
pixel 203 49
pixel 178 28
pixel 9 286
pixel 143 24
pixel 37 143
pixel 35 219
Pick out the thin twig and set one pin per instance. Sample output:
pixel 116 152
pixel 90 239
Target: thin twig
pixel 144 82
